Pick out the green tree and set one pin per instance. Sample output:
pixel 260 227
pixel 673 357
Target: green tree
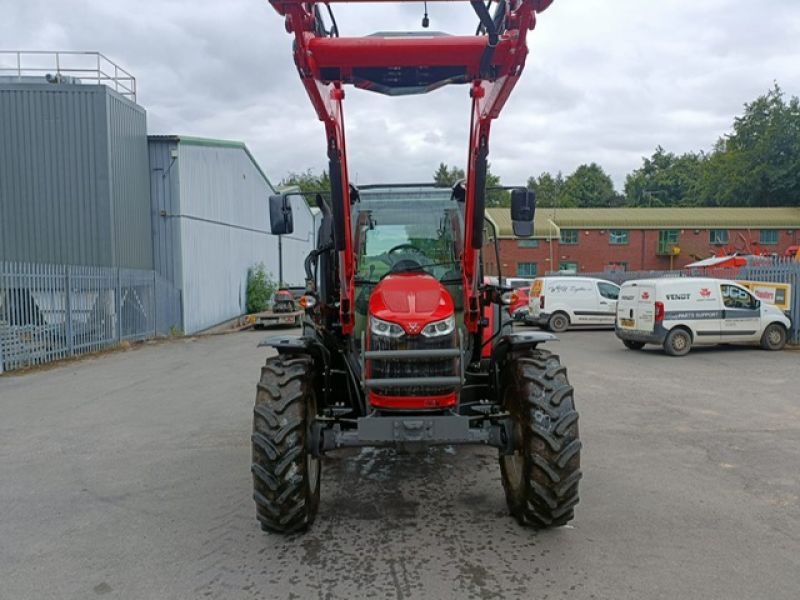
pixel 664 179
pixel 308 182
pixel 447 176
pixel 495 198
pixel 548 189
pixel 758 164
pixel 589 186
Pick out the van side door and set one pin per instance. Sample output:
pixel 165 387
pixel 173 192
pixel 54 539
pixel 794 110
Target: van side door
pixel 608 295
pixel 741 314
pixel 696 306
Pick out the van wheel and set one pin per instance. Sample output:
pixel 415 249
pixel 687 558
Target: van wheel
pixel 774 337
pixel 678 342
pixel 633 345
pixel 558 322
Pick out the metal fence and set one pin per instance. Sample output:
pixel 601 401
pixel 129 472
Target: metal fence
pixel 49 312
pixel 780 270
pixel 67 67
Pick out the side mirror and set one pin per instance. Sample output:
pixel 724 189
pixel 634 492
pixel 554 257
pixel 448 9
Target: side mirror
pixel 523 209
pixel 280 215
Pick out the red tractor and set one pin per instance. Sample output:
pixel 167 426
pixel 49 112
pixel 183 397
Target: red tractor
pixel 283 302
pixel 403 344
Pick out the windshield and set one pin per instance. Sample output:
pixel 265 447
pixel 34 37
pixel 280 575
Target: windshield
pixel 408 231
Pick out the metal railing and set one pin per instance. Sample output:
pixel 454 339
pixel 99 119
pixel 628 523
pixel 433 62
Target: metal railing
pixel 64 67
pixel 780 270
pixel 50 312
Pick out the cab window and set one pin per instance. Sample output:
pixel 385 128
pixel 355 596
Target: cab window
pixel 608 290
pixel 735 297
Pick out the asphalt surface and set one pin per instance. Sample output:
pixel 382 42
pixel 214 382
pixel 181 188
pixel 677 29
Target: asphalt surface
pixel 127 476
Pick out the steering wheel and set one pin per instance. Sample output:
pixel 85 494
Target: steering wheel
pixel 404 264
pixel 405 246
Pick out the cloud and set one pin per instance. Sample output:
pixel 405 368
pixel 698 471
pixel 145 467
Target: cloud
pixel 605 81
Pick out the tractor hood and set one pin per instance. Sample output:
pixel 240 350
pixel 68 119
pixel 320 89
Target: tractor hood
pixel 412 300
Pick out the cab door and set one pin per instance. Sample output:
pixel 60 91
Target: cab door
pixel 741 314
pixel 608 294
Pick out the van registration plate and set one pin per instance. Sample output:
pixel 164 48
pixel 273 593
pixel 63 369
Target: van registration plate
pixel 627 322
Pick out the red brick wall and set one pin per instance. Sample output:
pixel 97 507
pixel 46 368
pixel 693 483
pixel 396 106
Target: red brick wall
pixel 593 252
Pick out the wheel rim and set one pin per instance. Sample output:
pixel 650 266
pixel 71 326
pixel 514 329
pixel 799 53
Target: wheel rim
pixel 515 463
pixel 559 323
pixel 679 342
pixel 312 462
pixel 312 468
pixel 774 336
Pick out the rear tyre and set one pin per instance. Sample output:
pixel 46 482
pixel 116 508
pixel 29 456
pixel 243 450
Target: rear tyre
pixel 541 477
pixel 774 337
pixel 559 322
pixel 633 345
pixel 678 342
pixel 285 474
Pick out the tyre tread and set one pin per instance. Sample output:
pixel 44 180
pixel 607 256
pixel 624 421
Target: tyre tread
pixel 540 397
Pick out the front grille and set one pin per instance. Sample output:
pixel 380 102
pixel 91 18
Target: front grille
pixel 399 368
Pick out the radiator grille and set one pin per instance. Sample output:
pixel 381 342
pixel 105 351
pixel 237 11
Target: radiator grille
pixel 398 368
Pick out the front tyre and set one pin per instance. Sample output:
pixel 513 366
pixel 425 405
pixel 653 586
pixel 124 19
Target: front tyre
pixel 285 473
pixel 541 477
pixel 774 337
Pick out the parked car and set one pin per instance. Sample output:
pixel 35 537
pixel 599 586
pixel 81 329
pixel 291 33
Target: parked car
pixel 518 309
pixel 558 302
pixel 685 312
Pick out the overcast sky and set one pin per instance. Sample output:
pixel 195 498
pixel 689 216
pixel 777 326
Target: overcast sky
pixel 605 81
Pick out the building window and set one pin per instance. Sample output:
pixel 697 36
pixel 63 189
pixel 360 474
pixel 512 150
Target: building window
pixel 617 266
pixel 718 237
pixel 527 269
pixel 768 237
pixel 667 238
pixel 569 236
pixel 618 237
pixel 567 265
pixel 528 243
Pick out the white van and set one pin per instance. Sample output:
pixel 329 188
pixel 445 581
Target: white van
pixel 558 302
pixel 684 312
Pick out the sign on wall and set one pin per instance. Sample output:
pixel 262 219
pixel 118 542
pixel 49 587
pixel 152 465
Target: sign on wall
pixel 779 294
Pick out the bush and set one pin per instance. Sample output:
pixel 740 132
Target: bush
pixel 260 287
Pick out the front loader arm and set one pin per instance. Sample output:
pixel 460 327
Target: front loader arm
pixel 490 62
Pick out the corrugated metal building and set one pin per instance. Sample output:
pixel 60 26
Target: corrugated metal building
pixel 73 176
pixel 211 224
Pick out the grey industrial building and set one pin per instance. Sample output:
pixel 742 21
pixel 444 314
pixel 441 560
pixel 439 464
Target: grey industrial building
pixel 74 176
pixel 210 223
pixel 82 184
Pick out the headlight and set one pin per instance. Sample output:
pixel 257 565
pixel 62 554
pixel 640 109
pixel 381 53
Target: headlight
pixel 385 328
pixel 438 328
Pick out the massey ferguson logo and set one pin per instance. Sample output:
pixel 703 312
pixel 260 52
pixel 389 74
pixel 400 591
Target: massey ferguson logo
pixel 645 295
pixel 705 292
pixel 413 327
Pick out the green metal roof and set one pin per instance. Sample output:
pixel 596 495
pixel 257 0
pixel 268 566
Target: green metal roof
pixel 214 143
pixel 650 218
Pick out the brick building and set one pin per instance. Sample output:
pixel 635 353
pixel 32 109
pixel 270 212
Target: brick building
pixel 639 239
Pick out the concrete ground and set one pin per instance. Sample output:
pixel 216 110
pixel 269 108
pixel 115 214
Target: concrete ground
pixel 127 476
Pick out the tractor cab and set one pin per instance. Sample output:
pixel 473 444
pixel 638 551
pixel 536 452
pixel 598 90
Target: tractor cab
pixel 409 295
